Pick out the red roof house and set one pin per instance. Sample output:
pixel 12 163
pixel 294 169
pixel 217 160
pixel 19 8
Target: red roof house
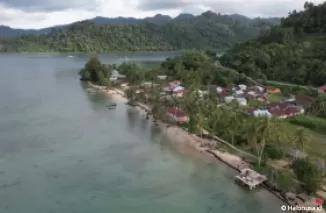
pixel 291 111
pixel 278 113
pixel 302 100
pixel 175 83
pixel 322 88
pixel 177 115
pixel 178 93
pixel 319 201
pixel 283 110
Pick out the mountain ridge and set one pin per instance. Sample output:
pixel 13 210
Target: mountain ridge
pixel 208 30
pixel 7 31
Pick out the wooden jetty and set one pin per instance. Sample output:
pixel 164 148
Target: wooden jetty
pixel 250 178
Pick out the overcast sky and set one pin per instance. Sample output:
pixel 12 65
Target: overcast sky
pixel 45 13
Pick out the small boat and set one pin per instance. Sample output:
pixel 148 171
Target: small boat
pixel 70 56
pixel 89 90
pixel 111 106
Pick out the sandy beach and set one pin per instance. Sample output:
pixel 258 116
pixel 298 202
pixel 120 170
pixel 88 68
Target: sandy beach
pixel 185 142
pixel 182 138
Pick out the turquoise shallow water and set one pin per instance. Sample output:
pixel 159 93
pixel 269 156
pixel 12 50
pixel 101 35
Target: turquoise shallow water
pixel 63 151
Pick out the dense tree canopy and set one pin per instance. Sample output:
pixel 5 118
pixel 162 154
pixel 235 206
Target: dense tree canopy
pixel 293 52
pixel 94 71
pixel 197 68
pixel 208 30
pixel 308 174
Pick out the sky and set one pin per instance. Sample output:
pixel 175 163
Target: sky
pixel 35 14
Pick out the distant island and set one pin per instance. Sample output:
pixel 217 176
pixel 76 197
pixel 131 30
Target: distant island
pixel 206 31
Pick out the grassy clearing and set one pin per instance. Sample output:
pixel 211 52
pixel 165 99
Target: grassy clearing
pixel 316 148
pixel 287 88
pixel 310 122
pixel 255 103
pixel 275 97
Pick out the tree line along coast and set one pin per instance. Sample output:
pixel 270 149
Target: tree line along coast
pixel 206 99
pixel 241 98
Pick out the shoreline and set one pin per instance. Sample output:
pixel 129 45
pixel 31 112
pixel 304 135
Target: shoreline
pixel 173 132
pixel 185 138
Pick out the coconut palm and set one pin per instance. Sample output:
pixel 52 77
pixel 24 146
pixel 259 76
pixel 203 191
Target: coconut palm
pixel 252 133
pixel 130 93
pixel 257 135
pixel 233 126
pixel 301 139
pixel 265 130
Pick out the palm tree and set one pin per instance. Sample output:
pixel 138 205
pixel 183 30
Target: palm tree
pixel 265 129
pixel 252 133
pixel 257 135
pixel 301 139
pixel 130 93
pixel 233 126
pixel 158 105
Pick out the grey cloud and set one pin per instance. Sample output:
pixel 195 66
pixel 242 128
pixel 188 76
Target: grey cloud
pixel 192 9
pixel 251 8
pixel 268 8
pixel 160 4
pixel 7 17
pixel 49 5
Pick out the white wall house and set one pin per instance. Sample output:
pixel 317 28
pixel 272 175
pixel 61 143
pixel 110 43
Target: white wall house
pixel 242 87
pixel 259 88
pixel 162 77
pixel 262 113
pixel 219 89
pixel 238 92
pixel 241 101
pixel 228 99
pixel 116 75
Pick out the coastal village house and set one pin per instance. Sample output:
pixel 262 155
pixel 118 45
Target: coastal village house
pixel 162 77
pixel 241 101
pixel 242 87
pixel 241 94
pixel 148 84
pixel 124 84
pixel 273 90
pixel 116 75
pixel 322 89
pixel 275 109
pixel 174 88
pixel 302 101
pixel 284 110
pixel 176 115
pixel 261 113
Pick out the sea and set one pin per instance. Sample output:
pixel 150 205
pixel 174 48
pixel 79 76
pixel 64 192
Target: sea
pixel 63 151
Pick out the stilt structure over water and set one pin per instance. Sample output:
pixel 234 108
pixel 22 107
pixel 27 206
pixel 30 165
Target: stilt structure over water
pixel 250 178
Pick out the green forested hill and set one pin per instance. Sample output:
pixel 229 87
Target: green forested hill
pixel 208 30
pixel 293 52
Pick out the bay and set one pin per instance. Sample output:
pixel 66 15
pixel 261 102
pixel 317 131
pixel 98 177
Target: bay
pixel 63 151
